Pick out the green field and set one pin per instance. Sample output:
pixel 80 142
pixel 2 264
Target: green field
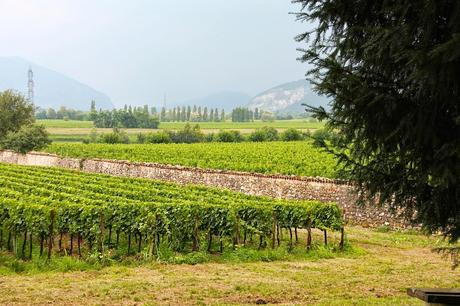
pixel 77 131
pixel 291 158
pixel 50 123
pixel 302 124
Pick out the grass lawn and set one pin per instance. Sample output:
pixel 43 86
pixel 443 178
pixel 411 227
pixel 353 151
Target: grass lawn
pixel 378 272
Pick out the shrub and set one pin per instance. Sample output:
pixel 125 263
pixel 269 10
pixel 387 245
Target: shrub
pixel 229 136
pixel 140 138
pixel 27 138
pixel 188 134
pixel 160 137
pixel 116 136
pixel 264 134
pixel 209 137
pixel 291 135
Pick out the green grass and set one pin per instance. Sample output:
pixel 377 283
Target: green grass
pixel 291 158
pixel 10 264
pixel 49 123
pixel 279 124
pixel 376 272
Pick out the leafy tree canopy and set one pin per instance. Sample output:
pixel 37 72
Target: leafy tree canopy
pixel 15 111
pixel 392 69
pixel 17 129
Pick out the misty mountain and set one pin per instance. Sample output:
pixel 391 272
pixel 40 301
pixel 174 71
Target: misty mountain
pixel 288 98
pixel 52 89
pixel 227 100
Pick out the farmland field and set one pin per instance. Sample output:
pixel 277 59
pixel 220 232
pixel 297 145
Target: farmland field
pixel 290 158
pixel 77 131
pixel 278 124
pixel 57 123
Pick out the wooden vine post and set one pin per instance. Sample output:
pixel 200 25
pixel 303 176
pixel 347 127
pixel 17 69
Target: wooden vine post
pixel 42 241
pixel 51 229
pixel 309 234
pixel 274 230
pixel 30 245
pixel 236 239
pixel 342 232
pixel 100 245
pixel 342 238
pixel 209 240
pixel 24 243
pixel 196 234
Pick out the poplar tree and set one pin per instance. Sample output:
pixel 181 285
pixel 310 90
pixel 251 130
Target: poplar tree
pixel 211 115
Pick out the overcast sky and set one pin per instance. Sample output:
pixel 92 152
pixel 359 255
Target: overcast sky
pixel 137 50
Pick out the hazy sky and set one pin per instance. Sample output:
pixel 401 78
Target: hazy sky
pixel 137 50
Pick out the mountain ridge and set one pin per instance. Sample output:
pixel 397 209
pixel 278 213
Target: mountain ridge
pixel 52 88
pixel 288 98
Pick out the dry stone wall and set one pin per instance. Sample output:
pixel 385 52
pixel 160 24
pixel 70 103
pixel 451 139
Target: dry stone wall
pixel 276 186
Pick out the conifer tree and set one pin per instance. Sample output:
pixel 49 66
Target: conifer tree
pixel 392 69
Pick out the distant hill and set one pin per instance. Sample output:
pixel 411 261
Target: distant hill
pixel 288 98
pixel 52 89
pixel 227 100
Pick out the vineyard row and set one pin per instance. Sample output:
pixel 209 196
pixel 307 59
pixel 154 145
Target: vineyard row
pixel 39 206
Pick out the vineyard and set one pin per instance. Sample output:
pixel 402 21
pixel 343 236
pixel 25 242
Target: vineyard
pixel 290 158
pixel 68 212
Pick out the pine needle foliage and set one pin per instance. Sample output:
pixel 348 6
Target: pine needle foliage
pixel 392 71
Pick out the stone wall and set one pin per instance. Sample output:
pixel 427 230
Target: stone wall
pixel 277 186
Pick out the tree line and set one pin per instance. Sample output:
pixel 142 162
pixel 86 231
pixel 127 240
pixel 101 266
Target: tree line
pixel 127 117
pixel 244 114
pixel 63 113
pixel 191 114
